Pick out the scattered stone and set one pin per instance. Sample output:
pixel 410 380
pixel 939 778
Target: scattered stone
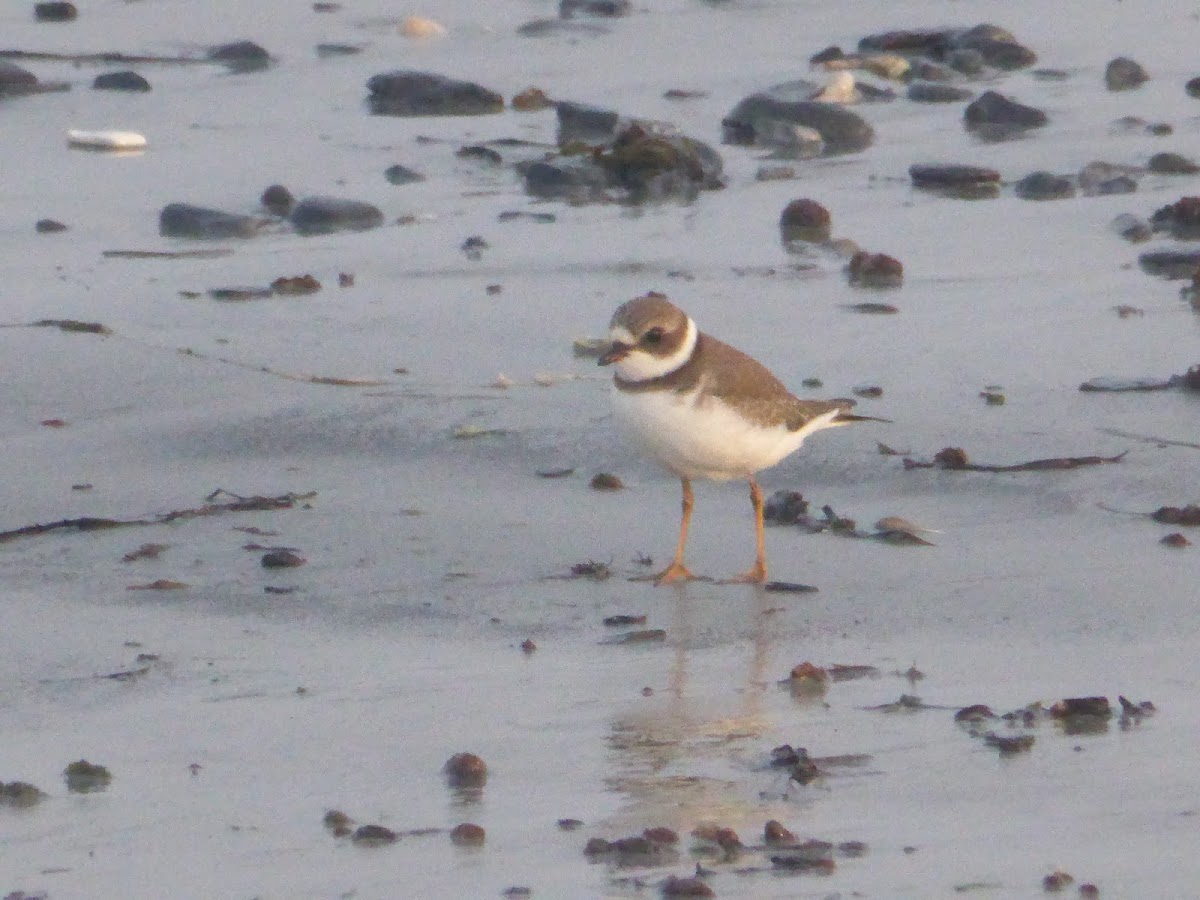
pixel 278 200
pixel 374 836
pixel 604 481
pixel 805 220
pixel 15 80
pixel 1009 744
pixel 241 56
pixel 812 856
pixel 55 12
pixel 686 887
pixel 322 215
pixel 1131 228
pixel 1172 164
pixel 146 551
pixel 125 80
pixel 977 712
pixel 1124 74
pixel 785 507
pixel 1176 539
pixel 643 636
pixel 188 221
pixel 531 100
pixel 875 270
pixel 775 173
pixel 295 285
pixel 538 28
pixel 623 620
pixel 20 794
pixel 1180 219
pixel 936 92
pixel 409 93
pixel 465 770
pixel 49 226
pixel 807 678
pixel 569 824
pixel 596 571
pixel 1188 516
pixel 955 180
pixel 399 174
pixel 1087 889
pixel 585 124
pixel 1172 264
pixel 325 50
pixel 996 117
pixel 754 120
pixel 468 834
pixel 83 777
pixel 603 9
pixel 1044 186
pixel 282 559
pixel 1056 881
pixel 340 824
pixel 774 833
pixel 421 27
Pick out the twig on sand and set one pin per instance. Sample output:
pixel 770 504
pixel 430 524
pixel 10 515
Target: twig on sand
pixel 954 459
pixel 210 508
pixel 1150 439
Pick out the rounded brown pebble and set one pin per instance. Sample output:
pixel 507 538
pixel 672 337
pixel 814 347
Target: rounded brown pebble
pixel 49 226
pixel 597 847
pixel 468 834
pixel 465 770
pixel 661 835
pixel 528 646
pixel 1087 889
pixel 55 12
pixel 875 270
pixel 336 820
pixel 278 200
pixel 774 832
pixel 686 887
pixel 603 481
pixel 1176 540
pixel 531 100
pixel 282 559
pixel 570 824
pixel 805 220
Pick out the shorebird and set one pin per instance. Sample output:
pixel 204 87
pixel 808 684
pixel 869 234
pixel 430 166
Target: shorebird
pixel 704 410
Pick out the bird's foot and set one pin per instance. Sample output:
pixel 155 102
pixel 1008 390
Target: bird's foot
pixel 757 574
pixel 676 571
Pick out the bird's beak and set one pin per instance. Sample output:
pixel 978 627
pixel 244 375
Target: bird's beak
pixel 615 353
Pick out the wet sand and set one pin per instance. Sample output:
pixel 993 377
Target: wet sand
pixel 431 556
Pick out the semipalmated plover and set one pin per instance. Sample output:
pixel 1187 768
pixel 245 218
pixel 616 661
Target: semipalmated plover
pixel 704 409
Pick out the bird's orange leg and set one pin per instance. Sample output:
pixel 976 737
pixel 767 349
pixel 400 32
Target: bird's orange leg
pixel 677 571
pixel 758 572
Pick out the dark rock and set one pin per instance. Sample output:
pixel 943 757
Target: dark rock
pixel 1044 186
pixel 1193 87
pixel 55 12
pixel 552 27
pixel 241 56
pixel 1171 264
pixel 576 179
pixel 410 93
pixel 675 886
pixel 185 220
pixel 468 834
pixel 1006 55
pixel 125 80
pixel 604 9
pixel 327 50
pixel 785 507
pixel 968 182
pixel 995 116
pixel 84 777
pixel 277 200
pixel 754 117
pixel 876 270
pixel 465 770
pixel 936 92
pixel 1171 164
pixel 374 836
pixel 322 215
pixel 282 559
pixel 985 31
pixel 966 61
pixel 927 42
pixel 480 153
pixel 1099 178
pixel 49 226
pixel 1131 228
pixel 774 832
pixel 20 794
pixel 589 124
pixel 15 80
pixel 1180 219
pixel 606 481
pixel 832 53
pixel 399 174
pixel 1124 74
pixel 805 220
pixel 927 70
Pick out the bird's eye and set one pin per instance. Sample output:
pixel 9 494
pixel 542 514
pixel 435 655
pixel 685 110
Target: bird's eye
pixel 654 335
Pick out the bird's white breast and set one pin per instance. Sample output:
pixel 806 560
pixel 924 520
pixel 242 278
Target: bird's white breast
pixel 703 437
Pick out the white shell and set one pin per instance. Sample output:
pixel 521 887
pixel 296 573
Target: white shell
pixel 106 140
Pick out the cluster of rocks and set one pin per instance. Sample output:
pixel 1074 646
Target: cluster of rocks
pixel 310 215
